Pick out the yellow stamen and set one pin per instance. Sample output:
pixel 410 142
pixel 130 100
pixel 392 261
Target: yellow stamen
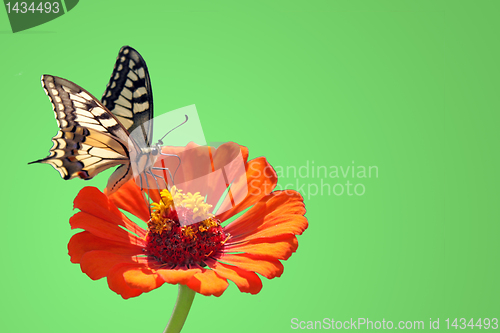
pixel 173 199
pixel 189 232
pixel 195 202
pixel 207 224
pixel 159 211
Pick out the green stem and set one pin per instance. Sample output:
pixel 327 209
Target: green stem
pixel 181 309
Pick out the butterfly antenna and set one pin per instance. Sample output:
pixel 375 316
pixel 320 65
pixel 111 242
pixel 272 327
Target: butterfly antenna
pixel 160 142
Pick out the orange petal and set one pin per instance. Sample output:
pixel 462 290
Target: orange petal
pixel 178 150
pixel 198 161
pixel 285 225
pixel 195 163
pixel 226 153
pixel 142 278
pixel 278 249
pixel 133 227
pixel 93 202
pixel 103 228
pixel 85 241
pixel 247 282
pixel 244 153
pixel 174 276
pixel 129 198
pixel 129 280
pixel 207 283
pixel 97 264
pixel 206 170
pixel 269 268
pixel 96 203
pixel 260 180
pixel 280 212
pixel 228 164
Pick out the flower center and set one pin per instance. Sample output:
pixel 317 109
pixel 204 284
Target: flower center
pixel 181 231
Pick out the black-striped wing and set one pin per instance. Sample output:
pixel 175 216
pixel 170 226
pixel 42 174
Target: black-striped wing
pixel 90 138
pixel 128 95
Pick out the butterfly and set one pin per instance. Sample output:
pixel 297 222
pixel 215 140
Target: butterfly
pixel 95 135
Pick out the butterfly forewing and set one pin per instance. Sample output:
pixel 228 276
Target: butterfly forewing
pixel 90 138
pixel 129 96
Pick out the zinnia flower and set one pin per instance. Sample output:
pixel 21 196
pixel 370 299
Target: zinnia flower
pixel 186 242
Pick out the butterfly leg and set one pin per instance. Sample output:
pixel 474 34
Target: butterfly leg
pixel 155 177
pixel 162 178
pixel 147 188
pixel 178 166
pixel 146 198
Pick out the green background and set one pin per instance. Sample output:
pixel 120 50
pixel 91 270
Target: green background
pixel 408 86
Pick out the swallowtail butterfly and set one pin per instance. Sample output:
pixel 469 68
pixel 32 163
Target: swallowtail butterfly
pixel 94 135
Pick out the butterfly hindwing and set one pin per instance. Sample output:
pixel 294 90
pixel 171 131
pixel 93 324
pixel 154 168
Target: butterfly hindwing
pixel 129 96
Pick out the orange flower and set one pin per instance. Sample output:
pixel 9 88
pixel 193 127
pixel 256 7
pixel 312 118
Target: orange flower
pixel 201 254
